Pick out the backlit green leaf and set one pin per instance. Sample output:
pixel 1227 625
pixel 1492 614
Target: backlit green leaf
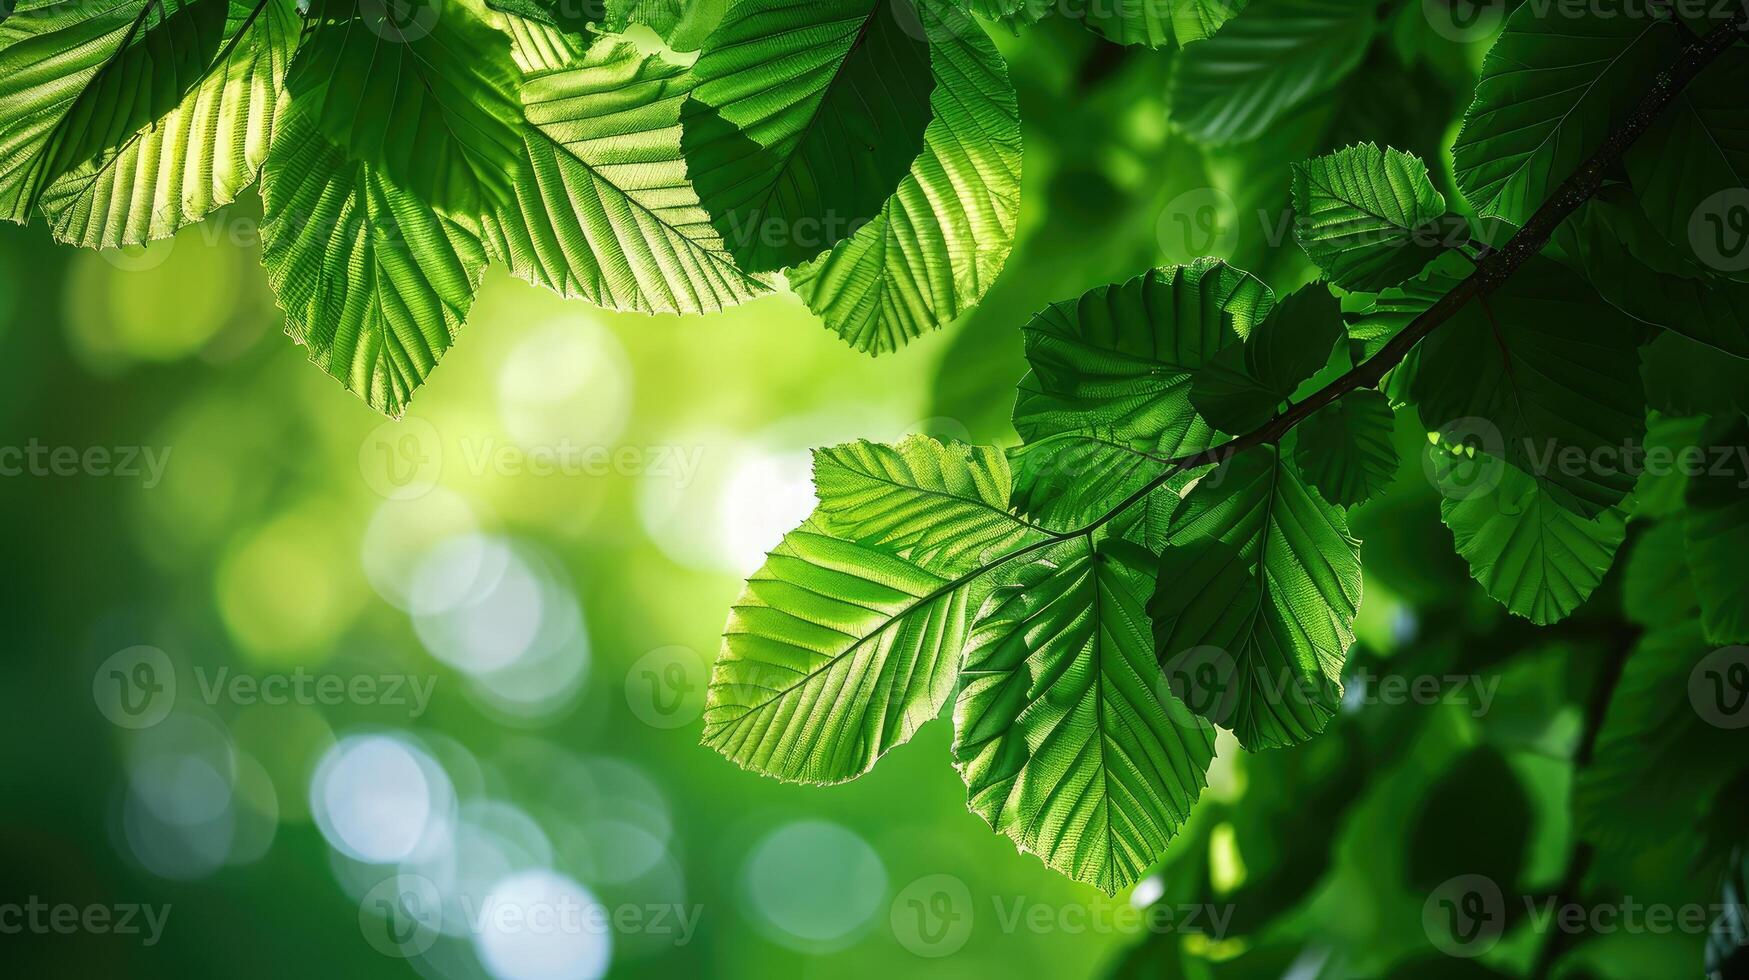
pixel 1242 385
pixel 1552 370
pixel 1109 387
pixel 1277 55
pixel 604 211
pixel 1370 218
pixel 373 280
pixel 1067 737
pixel 1533 555
pixel 1345 450
pixel 196 158
pixel 78 78
pixel 426 94
pixel 945 234
pixel 806 116
pixel 849 637
pixel 1552 87
pixel 1260 582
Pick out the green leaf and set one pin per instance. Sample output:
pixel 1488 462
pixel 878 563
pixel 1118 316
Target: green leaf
pixel 196 158
pixel 575 17
pixel 1717 529
pixel 1531 554
pixel 849 638
pixel 537 46
pixel 1552 87
pixel 807 115
pixel 1107 398
pixel 1067 481
pixel 1662 753
pixel 1067 738
pixel 78 78
pixel 1375 319
pixel 1656 589
pixel 1157 23
pixel 1613 244
pixel 1241 386
pixel 1279 55
pixel 1345 450
pixel 1553 369
pixel 943 506
pixel 604 211
pixel 427 96
pixel 682 24
pixel 1684 377
pixel 1263 571
pixel 1697 148
pixel 373 279
pixel 946 233
pixel 1370 218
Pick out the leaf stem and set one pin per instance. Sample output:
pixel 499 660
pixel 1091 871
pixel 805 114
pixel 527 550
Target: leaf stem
pixel 1492 270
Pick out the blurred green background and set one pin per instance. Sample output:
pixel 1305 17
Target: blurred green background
pixel 561 621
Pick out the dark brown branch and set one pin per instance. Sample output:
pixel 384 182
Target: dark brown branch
pixel 1492 270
